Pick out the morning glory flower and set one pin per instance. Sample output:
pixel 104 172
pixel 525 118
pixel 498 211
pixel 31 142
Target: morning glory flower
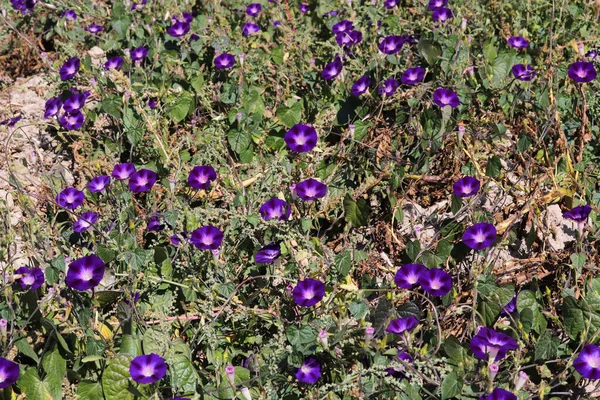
pixel 360 86
pixel 499 394
pixel 407 276
pixel 250 28
pixel 154 224
pixel 466 187
pixel 52 106
pixel 388 87
pixel 70 198
pixel 98 184
pixel 304 8
pixel 441 14
pixel 433 4
pixel 138 53
pixel 488 342
pixel 582 71
pixel 253 9
pixel 179 29
pixel 268 254
pixel 206 238
pixel 25 6
pixel 202 176
pixel 444 97
pixel 587 362
pixel 592 54
pixel 518 42
pixel 86 220
pixel 310 371
pixel 435 281
pixel 94 28
pixel 342 26
pixel 75 101
pixel 115 62
pixel 224 61
pixel 308 292
pixel 311 189
pixel 275 208
pixel 479 236
pixel 391 44
pixel 9 373
pixel 400 325
pixel 332 70
pixel 348 38
pixel 510 307
pixel 85 273
pixel 148 368
pixel 123 171
pixel 31 279
pixel 523 72
pixel 142 180
pixel 391 3
pixel 301 138
pixel 412 76
pixel 69 69
pixel 579 213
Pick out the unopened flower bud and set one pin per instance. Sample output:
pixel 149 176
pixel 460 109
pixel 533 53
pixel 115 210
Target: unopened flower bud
pixel 463 24
pixel 369 333
pixel 493 371
pixel 523 377
pixel 3 325
pixel 230 371
pixel 323 338
pixel 246 393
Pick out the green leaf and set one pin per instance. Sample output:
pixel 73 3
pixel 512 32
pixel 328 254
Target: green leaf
pixel 494 167
pixel 89 390
pixel 356 212
pixel 36 389
pixel 197 83
pixel 524 143
pixel 290 116
pixel 156 340
pixel 25 348
pixel 277 55
pixel 358 309
pixel 431 51
pixel 239 140
pixel 454 350
pixel 55 367
pixel 131 345
pixel 106 254
pixel 578 260
pixel 408 309
pixel 413 249
pixel 253 104
pixel 456 204
pixel 300 336
pixel 546 347
pixel 136 258
pixel 451 386
pixel 183 106
pixel 531 312
pixel 184 376
pixel 490 51
pixel 116 379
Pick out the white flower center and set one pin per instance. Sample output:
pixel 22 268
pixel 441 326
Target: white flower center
pixel 147 370
pixel 309 294
pixel 87 274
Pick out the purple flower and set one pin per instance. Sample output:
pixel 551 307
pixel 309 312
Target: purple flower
pixel 412 76
pixel 72 121
pixel 10 122
pixel 310 371
pixel 85 273
pixel 518 42
pixel 582 71
pixel 308 292
pixel 444 97
pixel 75 101
pixel 488 342
pixel 31 279
pixel 592 54
pixel 207 238
pixel 301 138
pixel 479 236
pixel 53 106
pixel 391 44
pixel 202 176
pixel 115 62
pixel 9 373
pixel 435 281
pixel 342 26
pixel 579 213
pixel 332 69
pixel 433 4
pixel 25 6
pixel 154 224
pixel 388 87
pixel 179 29
pixel 224 61
pixel 152 103
pixel 523 72
pixel 93 28
pixel 441 14
pixel 466 187
pixel 268 254
pixel 499 394
pixel 276 24
pixel 587 362
pixel 98 183
pixel 275 208
pixel 70 198
pixel 148 368
pixel 142 180
pixel 138 53
pixel 86 220
pixel 138 4
pixel 311 189
pixel 69 69
pixel 304 8
pixel 389 4
pixel 361 86
pixel 408 275
pixel 123 171
pixel 510 307
pixel 250 28
pixel 400 325
pixel 253 9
